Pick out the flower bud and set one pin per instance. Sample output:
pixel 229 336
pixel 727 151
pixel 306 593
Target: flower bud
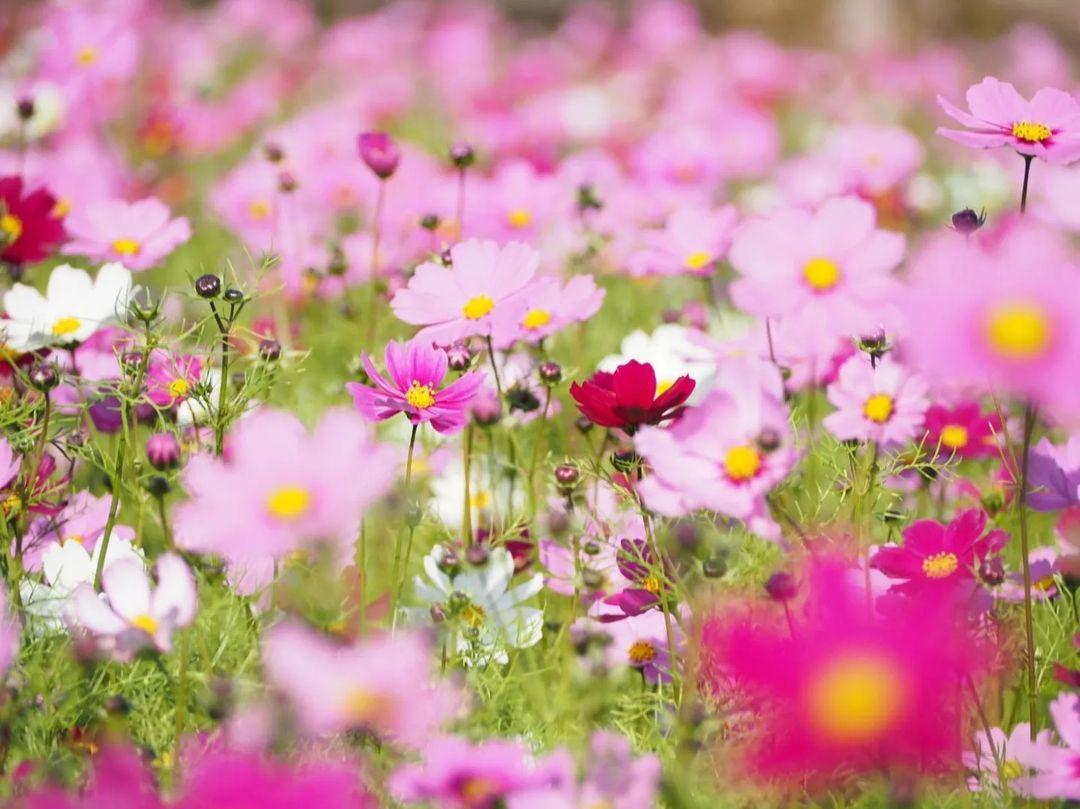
pixel 781 586
pixel 287 182
pixel 438 614
pixel 379 151
pixel 459 357
pixel 25 109
pixel 430 221
pixel 626 462
pixel 477 554
pixel 520 397
pixel 992 571
pixel 714 567
pixel 587 200
pixel 158 486
pixel 567 476
pixel 269 349
pixel 44 377
pixel 768 440
pixel 208 286
pixel 583 424
pixel 233 295
pixel 163 451
pixel 462 155
pixel 592 547
pixel 486 408
pixel 449 563
pixel 967 221
pixel 550 373
pixel 273 152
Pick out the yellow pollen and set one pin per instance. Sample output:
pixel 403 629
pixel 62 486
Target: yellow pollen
pixel 473 615
pixel 663 385
pixel 1046 583
pixel 478 306
pixel 940 565
pixel 420 396
pixel 480 500
pixel 1018 331
pixel 519 218
pixel 12 504
pixel 87 56
pixel 855 699
pixel 652 584
pixel 179 388
pixel 288 502
pixel 11 226
pixel 954 436
pixel 698 260
pixel 1031 132
pixel 879 408
pixel 65 326
pixel 61 209
pixel 126 247
pixel 535 318
pixel 259 209
pixel 477 791
pixel 364 706
pixel 1011 769
pixel 641 652
pixel 145 623
pixel 78 539
pixel 742 463
pixel 821 274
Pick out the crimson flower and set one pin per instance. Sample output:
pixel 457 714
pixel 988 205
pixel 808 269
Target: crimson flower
pixel 29 226
pixel 628 398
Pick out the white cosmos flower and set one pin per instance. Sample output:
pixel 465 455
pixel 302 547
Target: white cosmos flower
pixel 672 353
pixel 485 495
pixel 490 615
pixel 65 566
pixel 73 307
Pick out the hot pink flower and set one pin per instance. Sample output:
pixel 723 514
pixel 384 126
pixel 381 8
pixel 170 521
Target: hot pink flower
pixel 120 778
pixel 383 685
pixel 826 274
pixel 280 489
pixel 482 281
pixel 137 235
pixel 692 241
pixel 416 369
pixel 962 430
pixel 550 307
pixel 171 378
pixel 883 403
pixel 1047 126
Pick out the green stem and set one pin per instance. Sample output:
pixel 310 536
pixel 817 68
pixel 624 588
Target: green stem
pixel 376 234
pixel 494 367
pixel 219 421
pixel 1024 191
pixel 1029 628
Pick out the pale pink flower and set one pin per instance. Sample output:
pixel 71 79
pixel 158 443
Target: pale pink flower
pixel 516 204
pixel 883 403
pixel 84 46
pixel 1056 768
pixel 137 234
pixel 549 307
pixel 692 242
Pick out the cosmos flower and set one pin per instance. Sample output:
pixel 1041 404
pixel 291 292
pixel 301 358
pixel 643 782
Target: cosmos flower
pixel 416 370
pixel 1047 126
pixel 72 308
pixel 130 613
pixel 884 403
pixel 998 760
pixel 641 642
pixel 1054 475
pixel 673 351
pixel 629 397
pixel 843 690
pixel 382 685
pixel 1056 768
pixel 30 227
pixel 137 235
pixel 693 241
pixel 962 430
pixel 1042 566
pixel 171 378
pixel 551 306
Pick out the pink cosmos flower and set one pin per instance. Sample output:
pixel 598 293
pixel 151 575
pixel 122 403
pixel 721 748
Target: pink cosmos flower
pixel 130 615
pixel 998 760
pixel 120 778
pixel 872 160
pixel 692 241
pixel 416 369
pixel 84 46
pixel 724 455
pixel 826 274
pixel 137 234
pixel 482 282
pixel 962 430
pixel 640 642
pixel 978 317
pixel 517 204
pixel 940 558
pixel 383 685
pixel 171 378
pixel 551 306
pixel 842 689
pixel 1054 475
pixel 1047 126
pixel 883 403
pixel 280 489
pixel 1042 564
pixel 1057 769
pixel 82 520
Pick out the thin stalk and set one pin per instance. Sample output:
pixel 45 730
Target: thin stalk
pixel 1029 628
pixel 219 421
pixel 542 423
pixel 651 539
pixel 376 234
pixel 494 367
pixel 1027 173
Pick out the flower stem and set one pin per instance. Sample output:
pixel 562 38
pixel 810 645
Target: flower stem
pixel 376 233
pixel 1024 191
pixel 494 367
pixel 219 420
pixel 1029 629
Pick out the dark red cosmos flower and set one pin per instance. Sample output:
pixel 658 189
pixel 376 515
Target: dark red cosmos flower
pixel 628 398
pixel 29 226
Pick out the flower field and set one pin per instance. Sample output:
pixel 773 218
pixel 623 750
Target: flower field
pixel 427 408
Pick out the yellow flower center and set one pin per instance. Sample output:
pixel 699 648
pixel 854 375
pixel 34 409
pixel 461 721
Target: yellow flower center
pixel 179 388
pixel 519 218
pixel 954 436
pixel 61 209
pixel 1011 769
pixel 288 502
pixel 699 259
pixel 65 326
pixel 87 56
pixel 940 565
pixel 641 652
pixel 78 539
pixel 663 385
pixel 855 699
pixel 478 791
pixel 12 504
pixel 475 308
pixel 364 706
pixel 821 274
pixel 652 584
pixel 259 209
pixel 11 226
pixel 879 408
pixel 420 396
pixel 126 247
pixel 1018 331
pixel 535 318
pixel 473 615
pixel 480 500
pixel 1031 132
pixel 145 623
pixel 742 463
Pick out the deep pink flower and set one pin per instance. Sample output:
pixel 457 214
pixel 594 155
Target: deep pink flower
pixel 416 370
pixel 137 235
pixel 120 778
pixel 1047 126
pixel 379 152
pixel 962 430
pixel 629 397
pixel 30 227
pixel 171 378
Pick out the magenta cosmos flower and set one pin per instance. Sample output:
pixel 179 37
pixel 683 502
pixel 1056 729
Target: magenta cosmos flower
pixel 826 274
pixel 279 489
pixel 137 234
pixel 980 317
pixel 171 378
pixel 416 370
pixel 962 430
pixel 883 403
pixel 384 685
pixel 464 299
pixel 936 556
pixel 1047 126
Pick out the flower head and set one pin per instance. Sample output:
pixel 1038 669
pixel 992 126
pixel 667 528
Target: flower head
pixel 379 152
pixel 962 430
pixel 629 397
pixel 883 402
pixel 30 227
pixel 137 235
